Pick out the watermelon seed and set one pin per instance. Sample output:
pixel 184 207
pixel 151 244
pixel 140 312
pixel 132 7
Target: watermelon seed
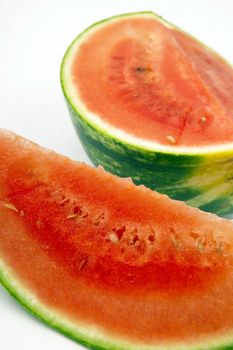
pixel 116 234
pixel 148 68
pixel 79 212
pixel 10 206
pixel 82 263
pixel 171 139
pixel 72 216
pixel 203 119
pixel 113 237
pixel 140 69
pixel 64 200
pixel 97 221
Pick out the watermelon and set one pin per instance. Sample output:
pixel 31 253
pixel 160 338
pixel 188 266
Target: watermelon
pixel 108 263
pixel 150 102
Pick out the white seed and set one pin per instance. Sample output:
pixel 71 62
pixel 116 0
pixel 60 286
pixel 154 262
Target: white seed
pixel 72 216
pixel 113 237
pixel 82 263
pixel 171 139
pixel 203 119
pixel 10 206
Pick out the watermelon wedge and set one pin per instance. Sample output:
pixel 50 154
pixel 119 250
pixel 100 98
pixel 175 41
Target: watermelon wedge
pixel 150 102
pixel 110 264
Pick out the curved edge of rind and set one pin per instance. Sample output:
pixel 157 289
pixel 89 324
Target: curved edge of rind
pixel 51 319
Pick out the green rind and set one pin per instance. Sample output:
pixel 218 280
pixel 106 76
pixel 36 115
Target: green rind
pixel 63 325
pixel 203 180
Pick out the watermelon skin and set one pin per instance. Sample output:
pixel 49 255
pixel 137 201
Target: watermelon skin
pixel 201 178
pixel 42 172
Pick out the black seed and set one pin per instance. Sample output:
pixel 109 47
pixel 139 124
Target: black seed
pixel 140 69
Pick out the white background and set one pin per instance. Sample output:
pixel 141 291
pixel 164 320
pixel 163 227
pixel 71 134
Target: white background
pixel 33 37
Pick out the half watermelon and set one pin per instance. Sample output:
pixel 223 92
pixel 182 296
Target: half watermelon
pixel 150 102
pixel 110 264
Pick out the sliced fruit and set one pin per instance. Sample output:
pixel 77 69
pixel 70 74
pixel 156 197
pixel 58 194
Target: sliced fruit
pixel 150 102
pixel 110 264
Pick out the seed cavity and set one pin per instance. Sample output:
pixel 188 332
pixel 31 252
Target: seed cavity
pixel 98 219
pixel 80 212
pixel 151 238
pixel 171 139
pixel 134 239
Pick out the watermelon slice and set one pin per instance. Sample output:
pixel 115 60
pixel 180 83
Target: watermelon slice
pixel 110 264
pixel 150 102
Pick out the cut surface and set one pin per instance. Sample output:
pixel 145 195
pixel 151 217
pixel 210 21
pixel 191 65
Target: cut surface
pixel 109 263
pixel 151 81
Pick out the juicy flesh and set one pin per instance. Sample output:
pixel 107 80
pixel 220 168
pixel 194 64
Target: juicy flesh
pixel 155 83
pixel 102 251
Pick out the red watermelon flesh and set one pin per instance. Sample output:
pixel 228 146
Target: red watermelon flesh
pixel 102 252
pixel 154 82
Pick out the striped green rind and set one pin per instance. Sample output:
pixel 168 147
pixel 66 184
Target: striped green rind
pixel 91 336
pixel 202 179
